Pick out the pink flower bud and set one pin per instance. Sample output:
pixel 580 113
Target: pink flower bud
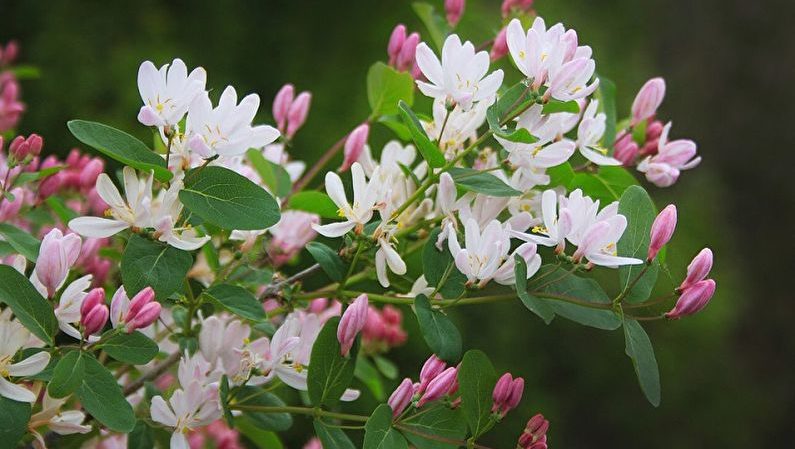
pixel 507 394
pixel 36 143
pixel 94 298
pixel 314 443
pixel 654 130
pixel 693 299
pixel 401 397
pixel 10 53
pixel 535 432
pixel 439 386
pixel 405 60
pixel 19 148
pixel 662 230
pixel 515 395
pixel 57 254
pixel 351 323
pixel 432 368
pixel 648 100
pixel 454 9
pixel 299 110
pixel 94 319
pixel 519 5
pixel 281 105
pixel 90 173
pixel 10 209
pixel 391 314
pixel 137 303
pixel 396 40
pixel 148 314
pixel 698 269
pixel 626 150
pixel 354 145
pixel 500 46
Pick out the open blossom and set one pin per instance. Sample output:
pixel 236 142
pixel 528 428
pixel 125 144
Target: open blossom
pixel 221 342
pixel 13 337
pixel 589 135
pixel 62 422
pixel 544 153
pixel 460 76
pixel 57 254
pixel 453 129
pixel 167 93
pixel 190 407
pixel 70 304
pixel 663 168
pixel 356 214
pixel 557 224
pixel 226 129
pixel 168 210
pixel 599 242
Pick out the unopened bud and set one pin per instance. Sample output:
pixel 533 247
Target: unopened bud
pixel 298 113
pixel 440 386
pixel 396 40
pixel 454 9
pixel 354 145
pixel 648 100
pixel 500 46
pixel 430 369
pixel 351 323
pixel 90 173
pixel 405 60
pixel 698 269
pixel 662 230
pixel 693 299
pixel 401 397
pixel 281 105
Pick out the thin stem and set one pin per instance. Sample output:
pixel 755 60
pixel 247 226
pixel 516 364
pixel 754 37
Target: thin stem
pixel 272 289
pixel 159 369
pixel 324 159
pixel 650 302
pixel 631 285
pixel 483 299
pixel 458 443
pixel 316 412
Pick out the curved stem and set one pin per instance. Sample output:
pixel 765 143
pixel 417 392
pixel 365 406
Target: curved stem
pixel 317 412
pixel 458 443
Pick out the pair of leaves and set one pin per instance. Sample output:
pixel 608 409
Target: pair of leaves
pixel 21 241
pixel 386 87
pixel 146 263
pixel 328 259
pixel 330 373
pixel 441 335
pixel 30 308
pixel 481 182
pixel 237 300
pixel 120 146
pixel 637 206
pixel 429 150
pixel 228 200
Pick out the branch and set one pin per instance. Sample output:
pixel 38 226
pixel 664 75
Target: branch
pixel 159 369
pixel 273 289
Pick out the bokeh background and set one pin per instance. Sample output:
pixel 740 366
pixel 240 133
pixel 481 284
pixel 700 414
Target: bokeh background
pixel 727 373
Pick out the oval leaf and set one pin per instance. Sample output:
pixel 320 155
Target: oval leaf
pixel 102 397
pixel 14 418
pixel 273 175
pixel 378 431
pixel 68 375
pixel 237 300
pixel 315 202
pixel 482 182
pixel 33 311
pixel 332 437
pixel 514 99
pixel 134 348
pixel 228 200
pixel 637 206
pixel 120 146
pixel 386 87
pixel 534 304
pixel 438 266
pixel 328 259
pixel 329 373
pixel 439 332
pixel 430 152
pixel 476 377
pixel 640 350
pixel 583 289
pixel 21 241
pixel 146 263
pixel 423 429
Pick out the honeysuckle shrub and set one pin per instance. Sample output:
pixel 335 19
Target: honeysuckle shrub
pixel 168 303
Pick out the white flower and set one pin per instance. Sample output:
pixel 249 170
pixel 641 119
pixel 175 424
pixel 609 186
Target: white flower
pixel 386 256
pixel 167 92
pixel 68 310
pixel 221 343
pixel 663 168
pixel 599 241
pixel 61 422
pixel 129 212
pixel 557 224
pixel 393 156
pixel 226 130
pixel 589 134
pixel 358 213
pixel 452 129
pixel 461 74
pixel 13 337
pixel 168 209
pixel 193 406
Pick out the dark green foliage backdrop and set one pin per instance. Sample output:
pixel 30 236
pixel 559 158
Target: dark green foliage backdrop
pixel 726 379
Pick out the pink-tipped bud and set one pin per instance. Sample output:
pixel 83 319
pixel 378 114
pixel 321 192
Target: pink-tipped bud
pixel 535 432
pixel 90 173
pixel 648 100
pixel 92 299
pixel 401 397
pixel 137 303
pixel 430 369
pixel 519 5
pixel 500 46
pixel 406 57
pixel 507 394
pixel 454 9
pixel 36 143
pixel 396 40
pixel 9 54
pixel 440 386
pixel 19 148
pixel 698 269
pixel 501 391
pixel 693 299
pixel 626 149
pixel 354 145
pixel 351 323
pixel 299 110
pixel 662 230
pixel 281 105
pixel 148 314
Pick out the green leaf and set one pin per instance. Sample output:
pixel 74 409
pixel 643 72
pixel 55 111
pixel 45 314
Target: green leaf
pixel 64 212
pixel 146 263
pixel 134 348
pixel 378 431
pixel 637 206
pixel 315 202
pixel 640 350
pixel 436 25
pixel 429 150
pixel 394 123
pixel 368 375
pixel 14 418
pixel 553 106
pixel 68 375
pixel 237 300
pixel 228 200
pixel 273 175
pixel 260 438
pixel 606 93
pixel 386 367
pixel 639 132
pixel 33 311
pixel 330 373
pixel 328 259
pixel 120 146
pixel 606 186
pixel 332 437
pixel 514 99
pixel 436 422
pixel 30 176
pixel 21 241
pixel 102 397
pixel 536 305
pixel 386 87
pixel 439 332
pixel 482 182
pixel 566 284
pixel 476 377
pixel 223 394
pixel 560 175
pixel 253 396
pixel 141 437
pixel 436 263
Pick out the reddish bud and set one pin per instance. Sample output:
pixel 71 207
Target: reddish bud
pixel 698 269
pixel 693 299
pixel 351 323
pixel 430 369
pixel 401 397
pixel 662 230
pixel 396 40
pixel 440 386
pixel 454 9
pixel 500 46
pixel 354 145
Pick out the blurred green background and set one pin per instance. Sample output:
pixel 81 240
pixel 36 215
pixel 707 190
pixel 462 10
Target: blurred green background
pixel 726 373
